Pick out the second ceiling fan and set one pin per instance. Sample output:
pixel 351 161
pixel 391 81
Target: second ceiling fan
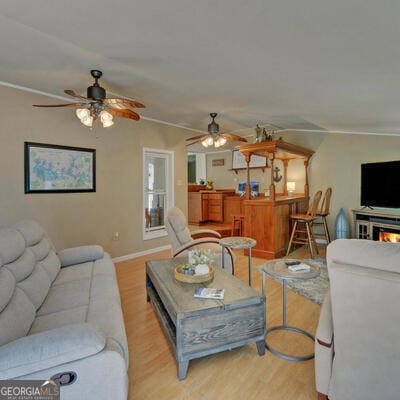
pixel 214 137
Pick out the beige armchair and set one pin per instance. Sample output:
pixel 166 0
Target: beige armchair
pixel 182 239
pixel 357 345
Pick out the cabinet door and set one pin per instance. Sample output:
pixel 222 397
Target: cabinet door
pixel 363 230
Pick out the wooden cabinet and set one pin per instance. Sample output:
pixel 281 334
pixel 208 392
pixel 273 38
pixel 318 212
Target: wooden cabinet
pixel 207 206
pixel 216 207
pixel 197 207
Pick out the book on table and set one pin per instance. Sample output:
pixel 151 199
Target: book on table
pixel 209 293
pixel 301 267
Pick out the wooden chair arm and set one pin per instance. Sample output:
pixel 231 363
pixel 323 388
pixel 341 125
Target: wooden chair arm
pixel 208 232
pixel 194 243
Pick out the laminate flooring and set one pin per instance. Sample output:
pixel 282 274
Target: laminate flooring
pixel 237 374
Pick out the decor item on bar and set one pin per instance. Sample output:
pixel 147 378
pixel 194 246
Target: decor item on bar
pixel 214 137
pixel 291 187
pixel 97 106
pixel 59 169
pixel 342 226
pixel 209 184
pixel 263 135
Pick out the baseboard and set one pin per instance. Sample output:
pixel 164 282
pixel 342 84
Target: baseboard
pixel 141 253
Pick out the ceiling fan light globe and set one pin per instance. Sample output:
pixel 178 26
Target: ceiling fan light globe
pixel 107 123
pixel 217 143
pixel 204 143
pixel 87 121
pixel 82 113
pixel 222 141
pixel 210 141
pixel 105 116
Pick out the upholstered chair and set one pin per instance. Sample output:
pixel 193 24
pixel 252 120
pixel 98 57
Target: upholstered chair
pixel 182 239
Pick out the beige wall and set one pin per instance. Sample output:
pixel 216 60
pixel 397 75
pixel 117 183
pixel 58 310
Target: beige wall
pixel 84 218
pixel 336 163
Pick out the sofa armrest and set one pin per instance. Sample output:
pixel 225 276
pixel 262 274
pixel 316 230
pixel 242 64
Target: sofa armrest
pixel 47 349
pixel 81 254
pixel 324 335
pixel 324 347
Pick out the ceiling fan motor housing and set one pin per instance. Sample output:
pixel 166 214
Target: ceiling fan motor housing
pixel 96 92
pixel 213 127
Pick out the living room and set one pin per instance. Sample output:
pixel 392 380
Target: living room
pixel 332 89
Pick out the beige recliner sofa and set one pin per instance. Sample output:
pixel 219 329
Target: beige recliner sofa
pixel 60 316
pixel 357 346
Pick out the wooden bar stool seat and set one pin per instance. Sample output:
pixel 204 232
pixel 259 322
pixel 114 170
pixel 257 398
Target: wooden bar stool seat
pixel 321 216
pixel 305 236
pixel 237 224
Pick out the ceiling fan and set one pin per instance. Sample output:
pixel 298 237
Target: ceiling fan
pixel 96 105
pixel 214 137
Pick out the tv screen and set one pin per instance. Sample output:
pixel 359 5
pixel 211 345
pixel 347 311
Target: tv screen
pixel 380 184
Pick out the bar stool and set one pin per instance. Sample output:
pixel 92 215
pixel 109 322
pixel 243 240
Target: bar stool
pixel 237 224
pixel 323 213
pixel 308 218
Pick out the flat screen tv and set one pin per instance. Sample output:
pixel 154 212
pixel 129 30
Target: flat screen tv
pixel 380 184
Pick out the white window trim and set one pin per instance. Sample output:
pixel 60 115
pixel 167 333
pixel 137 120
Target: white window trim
pixel 170 179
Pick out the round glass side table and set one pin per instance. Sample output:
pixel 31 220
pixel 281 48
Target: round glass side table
pixel 238 242
pixel 279 270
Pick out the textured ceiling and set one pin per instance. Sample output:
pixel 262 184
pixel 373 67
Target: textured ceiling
pixel 306 64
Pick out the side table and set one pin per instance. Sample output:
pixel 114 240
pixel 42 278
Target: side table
pixel 238 242
pixel 278 269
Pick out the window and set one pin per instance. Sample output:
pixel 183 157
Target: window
pixel 158 193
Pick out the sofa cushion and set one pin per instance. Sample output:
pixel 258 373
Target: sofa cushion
pixel 86 292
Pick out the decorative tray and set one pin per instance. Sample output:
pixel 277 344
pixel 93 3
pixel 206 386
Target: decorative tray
pixel 193 278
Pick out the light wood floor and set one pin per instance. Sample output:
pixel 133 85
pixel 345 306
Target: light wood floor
pixel 237 374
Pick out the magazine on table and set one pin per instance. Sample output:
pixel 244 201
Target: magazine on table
pixel 209 293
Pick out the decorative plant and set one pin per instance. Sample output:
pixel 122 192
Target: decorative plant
pixel 200 256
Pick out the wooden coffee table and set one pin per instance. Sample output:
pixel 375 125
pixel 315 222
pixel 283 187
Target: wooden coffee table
pixel 197 327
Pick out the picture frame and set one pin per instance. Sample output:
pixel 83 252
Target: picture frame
pixel 239 162
pixel 51 168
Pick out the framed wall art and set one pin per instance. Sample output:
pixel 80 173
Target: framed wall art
pixel 51 168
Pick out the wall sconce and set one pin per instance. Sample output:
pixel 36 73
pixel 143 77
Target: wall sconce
pixel 291 187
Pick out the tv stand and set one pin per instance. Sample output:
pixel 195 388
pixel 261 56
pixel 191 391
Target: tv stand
pixel 367 221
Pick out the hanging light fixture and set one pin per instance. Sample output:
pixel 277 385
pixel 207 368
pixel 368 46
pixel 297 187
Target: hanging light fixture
pixel 106 119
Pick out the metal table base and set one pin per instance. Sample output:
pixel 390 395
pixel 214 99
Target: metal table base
pixel 286 327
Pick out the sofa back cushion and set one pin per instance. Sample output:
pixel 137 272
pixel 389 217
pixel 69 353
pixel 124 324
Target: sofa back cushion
pixel 28 266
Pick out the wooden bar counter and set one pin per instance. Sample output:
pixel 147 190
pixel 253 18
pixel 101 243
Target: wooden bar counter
pixel 267 221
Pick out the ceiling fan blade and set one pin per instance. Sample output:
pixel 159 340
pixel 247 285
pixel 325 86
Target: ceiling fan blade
pixel 124 113
pixel 231 136
pixel 197 137
pixel 73 94
pixel 122 104
pixel 59 105
pixel 196 141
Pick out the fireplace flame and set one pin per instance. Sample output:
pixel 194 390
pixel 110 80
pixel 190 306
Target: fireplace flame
pixel 389 237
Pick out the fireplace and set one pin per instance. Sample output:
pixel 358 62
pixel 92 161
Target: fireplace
pixel 386 233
